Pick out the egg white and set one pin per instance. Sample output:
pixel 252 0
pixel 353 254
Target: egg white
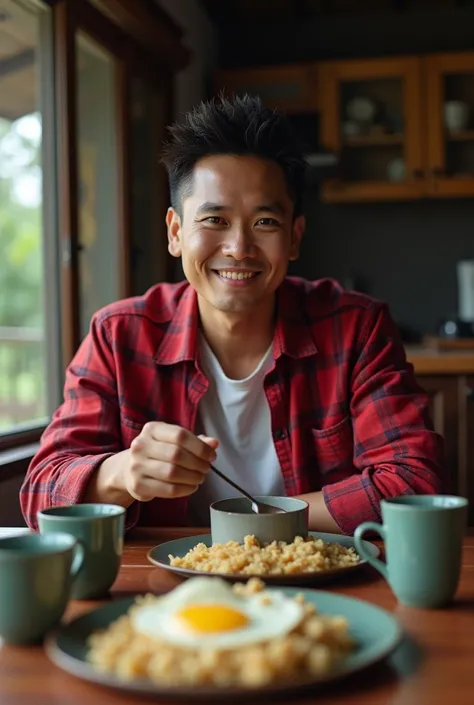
pixel 160 620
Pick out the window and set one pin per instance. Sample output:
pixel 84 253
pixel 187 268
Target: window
pixel 27 344
pixel 67 202
pixel 149 114
pixel 98 198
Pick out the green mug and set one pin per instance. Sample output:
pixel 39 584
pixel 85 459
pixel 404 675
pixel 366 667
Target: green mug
pixel 36 574
pixel 100 529
pixel 423 537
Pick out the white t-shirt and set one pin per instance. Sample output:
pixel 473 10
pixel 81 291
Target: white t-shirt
pixel 236 412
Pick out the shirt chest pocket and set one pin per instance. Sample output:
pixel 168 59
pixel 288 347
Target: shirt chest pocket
pixel 334 447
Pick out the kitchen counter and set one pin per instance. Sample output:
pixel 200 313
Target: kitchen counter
pixel 428 361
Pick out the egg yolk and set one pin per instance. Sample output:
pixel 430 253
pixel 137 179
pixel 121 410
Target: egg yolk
pixel 211 619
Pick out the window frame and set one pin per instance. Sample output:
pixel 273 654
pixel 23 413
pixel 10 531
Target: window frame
pixel 130 30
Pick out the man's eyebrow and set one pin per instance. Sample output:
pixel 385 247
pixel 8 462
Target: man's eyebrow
pixel 210 207
pixel 274 207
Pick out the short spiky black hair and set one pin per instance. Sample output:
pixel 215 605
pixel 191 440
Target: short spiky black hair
pixel 237 126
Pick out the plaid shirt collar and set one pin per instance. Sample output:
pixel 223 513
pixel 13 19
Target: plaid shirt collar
pixel 293 336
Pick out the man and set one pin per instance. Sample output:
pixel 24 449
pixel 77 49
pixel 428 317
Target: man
pixel 288 386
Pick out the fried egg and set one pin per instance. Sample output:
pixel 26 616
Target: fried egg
pixel 205 613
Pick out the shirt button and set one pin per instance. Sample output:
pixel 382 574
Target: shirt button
pixel 280 434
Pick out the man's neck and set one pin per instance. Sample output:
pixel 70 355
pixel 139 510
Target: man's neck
pixel 239 341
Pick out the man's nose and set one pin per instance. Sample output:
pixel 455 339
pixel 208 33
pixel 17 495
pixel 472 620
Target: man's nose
pixel 239 243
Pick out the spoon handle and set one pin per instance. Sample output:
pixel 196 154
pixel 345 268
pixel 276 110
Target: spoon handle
pixel 236 487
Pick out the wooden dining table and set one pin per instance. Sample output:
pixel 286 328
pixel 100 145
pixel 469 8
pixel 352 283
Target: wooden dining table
pixel 433 665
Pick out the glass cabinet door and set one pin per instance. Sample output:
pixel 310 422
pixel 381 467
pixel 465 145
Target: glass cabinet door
pixel 371 117
pixel 450 80
pixel 98 197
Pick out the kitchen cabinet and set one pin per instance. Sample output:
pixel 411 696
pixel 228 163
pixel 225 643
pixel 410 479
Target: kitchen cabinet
pixel 452 411
pixel 371 117
pixel 466 441
pixel 403 128
pixel 292 89
pixel 450 153
pixel 443 394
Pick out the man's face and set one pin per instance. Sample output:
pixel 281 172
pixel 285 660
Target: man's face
pixel 237 232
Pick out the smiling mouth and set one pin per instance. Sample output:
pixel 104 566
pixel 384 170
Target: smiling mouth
pixel 235 275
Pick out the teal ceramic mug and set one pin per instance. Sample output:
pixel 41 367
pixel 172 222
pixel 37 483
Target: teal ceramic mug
pixel 423 537
pixel 100 529
pixel 36 575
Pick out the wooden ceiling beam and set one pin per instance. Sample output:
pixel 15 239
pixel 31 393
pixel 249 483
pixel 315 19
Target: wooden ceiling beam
pixel 248 11
pixel 147 27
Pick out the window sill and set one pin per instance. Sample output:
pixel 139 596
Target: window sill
pixel 16 460
pixel 21 438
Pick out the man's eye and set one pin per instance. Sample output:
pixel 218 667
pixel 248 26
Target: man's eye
pixel 214 220
pixel 268 221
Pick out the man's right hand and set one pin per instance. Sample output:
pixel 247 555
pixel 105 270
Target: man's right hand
pixel 167 461
pixel 162 461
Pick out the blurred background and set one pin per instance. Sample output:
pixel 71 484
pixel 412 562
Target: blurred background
pixel 381 92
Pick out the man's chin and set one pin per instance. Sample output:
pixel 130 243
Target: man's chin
pixel 236 307
pixel 240 303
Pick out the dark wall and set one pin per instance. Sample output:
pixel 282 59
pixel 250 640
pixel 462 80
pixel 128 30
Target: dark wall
pixel 404 253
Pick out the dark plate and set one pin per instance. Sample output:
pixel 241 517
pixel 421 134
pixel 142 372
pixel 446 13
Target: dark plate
pixel 376 632
pixel 159 555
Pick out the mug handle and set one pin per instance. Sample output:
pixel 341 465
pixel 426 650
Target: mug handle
pixel 361 550
pixel 78 558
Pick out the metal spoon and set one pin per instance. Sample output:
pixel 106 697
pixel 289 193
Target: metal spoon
pixel 257 507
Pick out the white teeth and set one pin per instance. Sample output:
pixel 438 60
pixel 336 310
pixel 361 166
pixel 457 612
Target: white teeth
pixel 236 275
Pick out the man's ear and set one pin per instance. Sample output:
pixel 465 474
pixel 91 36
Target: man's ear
pixel 296 236
pixel 173 224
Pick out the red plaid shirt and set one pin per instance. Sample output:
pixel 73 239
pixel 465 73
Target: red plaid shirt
pixel 347 416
